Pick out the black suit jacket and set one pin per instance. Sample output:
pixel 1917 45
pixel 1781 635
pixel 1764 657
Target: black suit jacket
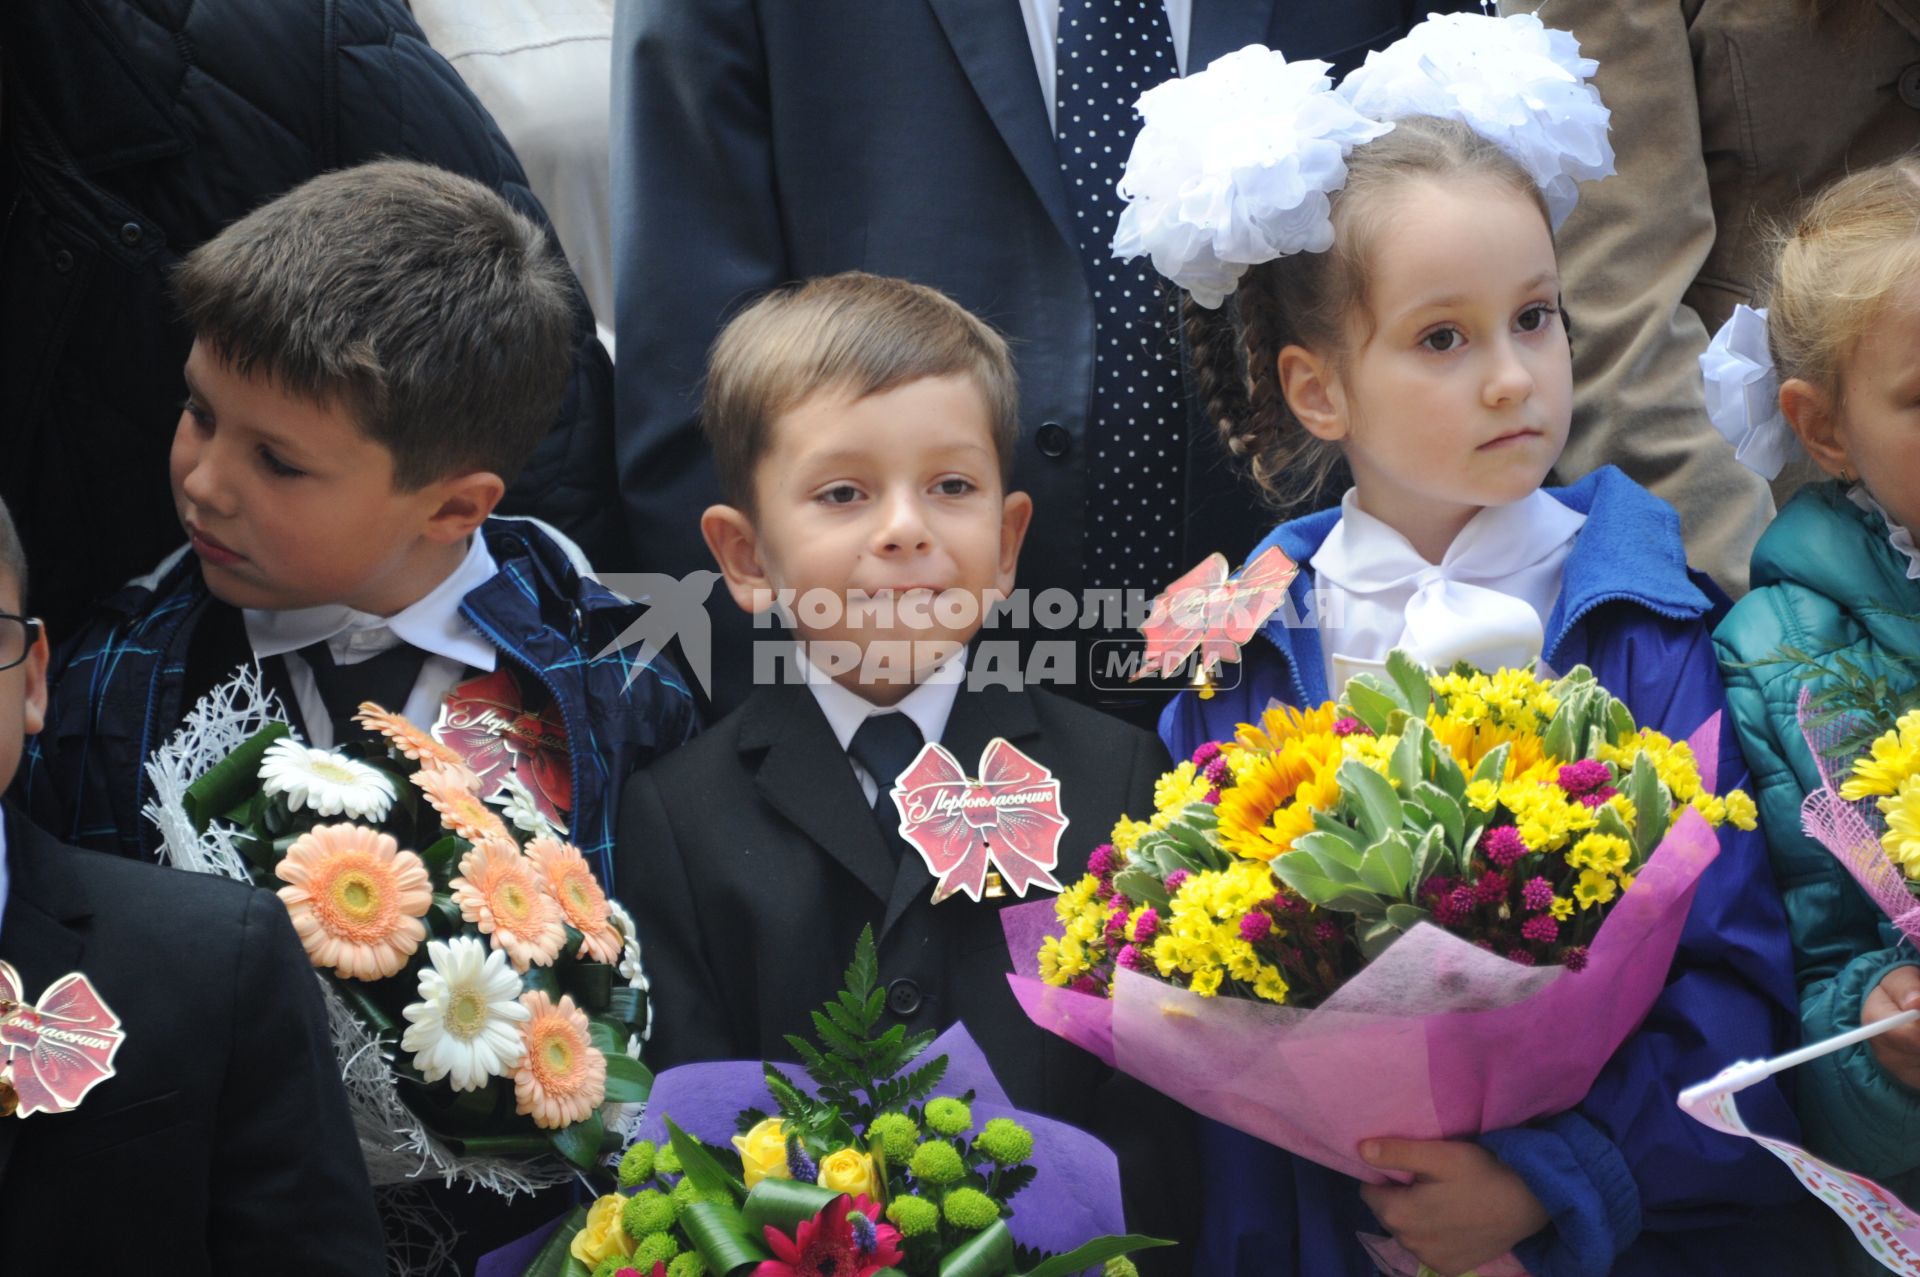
pixel 751 860
pixel 222 1144
pixel 757 142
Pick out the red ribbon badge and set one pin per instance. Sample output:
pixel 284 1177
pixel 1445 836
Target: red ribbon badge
pixel 486 722
pixel 1207 610
pixel 1009 816
pixel 54 1052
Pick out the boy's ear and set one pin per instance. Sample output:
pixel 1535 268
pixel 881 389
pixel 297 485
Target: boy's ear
pixel 1809 410
pixel 462 503
pixel 735 546
pixel 1313 393
pixel 33 714
pixel 1016 516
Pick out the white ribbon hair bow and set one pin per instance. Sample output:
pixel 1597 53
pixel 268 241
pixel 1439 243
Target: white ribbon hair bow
pixel 1743 394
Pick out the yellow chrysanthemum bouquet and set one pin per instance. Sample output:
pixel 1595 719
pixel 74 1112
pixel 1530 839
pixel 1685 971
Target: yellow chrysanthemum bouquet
pixel 1868 811
pixel 1464 887
pixel 484 993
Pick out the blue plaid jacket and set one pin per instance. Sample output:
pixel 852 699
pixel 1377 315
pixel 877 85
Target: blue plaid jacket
pixel 118 688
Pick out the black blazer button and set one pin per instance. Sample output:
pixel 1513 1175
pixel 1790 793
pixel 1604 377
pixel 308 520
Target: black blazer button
pixel 903 997
pixel 62 260
pixel 130 234
pixel 1910 86
pixel 1053 440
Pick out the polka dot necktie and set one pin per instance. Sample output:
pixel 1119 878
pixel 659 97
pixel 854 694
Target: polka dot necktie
pixel 1109 53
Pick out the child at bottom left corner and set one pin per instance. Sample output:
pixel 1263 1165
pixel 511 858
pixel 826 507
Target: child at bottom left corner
pixel 164 1057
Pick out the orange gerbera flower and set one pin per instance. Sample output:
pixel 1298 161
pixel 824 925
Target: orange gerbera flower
pixel 570 882
pixel 499 892
pixel 356 899
pixel 447 788
pixel 562 1078
pixel 404 736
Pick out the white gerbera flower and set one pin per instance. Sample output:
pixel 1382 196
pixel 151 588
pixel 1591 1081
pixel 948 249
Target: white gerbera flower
pixel 516 803
pixel 324 783
pixel 464 1024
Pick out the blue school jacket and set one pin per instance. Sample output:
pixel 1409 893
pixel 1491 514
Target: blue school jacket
pixel 1635 1187
pixel 119 688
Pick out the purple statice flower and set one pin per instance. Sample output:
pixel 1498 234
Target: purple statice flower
pixel 1576 958
pixel 1584 776
pixel 1212 797
pixel 1087 984
pixel 1436 886
pixel 1130 958
pixel 1217 772
pixel 1256 927
pixel 1459 903
pixel 1599 796
pixel 1541 930
pixel 799 1164
pixel 1537 894
pixel 1520 956
pixel 1176 880
pixel 866 1238
pixel 1351 726
pixel 1116 928
pixel 1326 931
pixel 1205 755
pixel 1147 926
pixel 1100 861
pixel 1503 845
pixel 1491 889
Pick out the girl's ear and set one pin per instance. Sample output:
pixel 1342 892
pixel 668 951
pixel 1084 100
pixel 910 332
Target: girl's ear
pixel 1313 393
pixel 1809 410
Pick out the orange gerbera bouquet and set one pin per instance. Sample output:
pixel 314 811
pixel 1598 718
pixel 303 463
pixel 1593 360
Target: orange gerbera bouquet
pixel 485 993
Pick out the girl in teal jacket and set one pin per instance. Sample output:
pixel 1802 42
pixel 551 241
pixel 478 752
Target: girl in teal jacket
pixel 1837 576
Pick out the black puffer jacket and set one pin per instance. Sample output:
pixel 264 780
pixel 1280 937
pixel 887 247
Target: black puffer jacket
pixel 134 130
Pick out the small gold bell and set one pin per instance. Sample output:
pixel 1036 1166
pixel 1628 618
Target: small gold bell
pixel 995 889
pixel 1203 680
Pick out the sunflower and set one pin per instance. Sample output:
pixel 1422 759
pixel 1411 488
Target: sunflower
pixel 1469 744
pixel 571 883
pixel 1273 800
pixel 500 892
pixel 1283 723
pixel 356 899
pixel 562 1078
pixel 448 788
pixel 404 737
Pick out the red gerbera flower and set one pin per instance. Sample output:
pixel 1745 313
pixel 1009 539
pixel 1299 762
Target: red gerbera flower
pixel 831 1245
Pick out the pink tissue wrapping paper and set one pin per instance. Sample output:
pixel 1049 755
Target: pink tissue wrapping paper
pixel 1435 1039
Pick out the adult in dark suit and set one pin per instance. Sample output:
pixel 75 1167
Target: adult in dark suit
pixel 754 860
pixel 222 1143
pixel 757 142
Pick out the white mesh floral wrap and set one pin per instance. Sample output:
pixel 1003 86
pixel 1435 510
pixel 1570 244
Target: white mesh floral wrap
pixel 1516 82
pixel 1233 166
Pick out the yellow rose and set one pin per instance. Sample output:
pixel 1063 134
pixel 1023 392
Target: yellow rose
pixel 849 1171
pixel 763 1152
pixel 602 1237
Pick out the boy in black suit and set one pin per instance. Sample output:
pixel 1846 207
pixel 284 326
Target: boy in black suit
pixel 221 1143
pixel 863 429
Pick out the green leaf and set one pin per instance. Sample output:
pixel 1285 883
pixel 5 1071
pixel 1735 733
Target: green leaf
pixel 1650 805
pixel 441 858
pixel 1302 872
pixel 1410 679
pixel 1337 858
pixel 1451 816
pixel 627 1004
pixel 1427 855
pixel 863 973
pixel 628 1080
pixel 1404 767
pixel 707 1174
pixel 1373 701
pixel 1387 866
pixel 1407 917
pixel 1142 887
pixel 720 1233
pixel 1327 822
pixel 988 1253
pixel 230 781
pixel 1493 766
pixel 1097 1251
pixel 1375 938
pixel 580 1142
pixel 1376 805
pixel 783 1203
pixel 554 1259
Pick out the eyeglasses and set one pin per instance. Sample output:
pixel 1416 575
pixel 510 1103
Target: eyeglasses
pixel 17 637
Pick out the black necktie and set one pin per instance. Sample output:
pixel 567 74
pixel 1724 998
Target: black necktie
pixel 385 678
pixel 885 745
pixel 1108 53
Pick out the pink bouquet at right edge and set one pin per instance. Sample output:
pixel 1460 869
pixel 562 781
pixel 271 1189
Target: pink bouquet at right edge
pixel 1434 910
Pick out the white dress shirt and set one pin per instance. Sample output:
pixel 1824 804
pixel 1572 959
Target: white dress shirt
pixel 1486 602
pixel 1043 32
pixel 433 624
pixel 928 705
